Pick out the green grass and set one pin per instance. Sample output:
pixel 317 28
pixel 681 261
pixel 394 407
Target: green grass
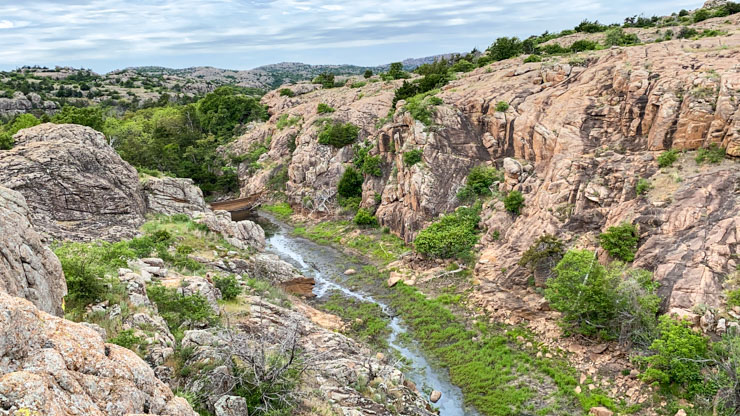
pixel 281 210
pixel 366 321
pixel 379 247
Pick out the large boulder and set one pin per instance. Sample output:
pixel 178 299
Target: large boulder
pixel 76 185
pixel 171 196
pixel 28 269
pixel 54 367
pixel 270 267
pixel 243 234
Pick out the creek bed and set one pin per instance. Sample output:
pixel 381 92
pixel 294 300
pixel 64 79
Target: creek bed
pixel 327 265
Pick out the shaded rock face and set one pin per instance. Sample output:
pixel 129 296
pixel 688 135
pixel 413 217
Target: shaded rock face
pixel 241 234
pixel 28 269
pixel 75 184
pixel 171 196
pixel 55 367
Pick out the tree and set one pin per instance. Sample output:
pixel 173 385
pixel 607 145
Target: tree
pixel 505 48
pixel 396 71
pixel 584 293
pixel 513 202
pixel 453 235
pixel 620 241
pixel 21 122
pixel 325 79
pixel 368 74
pixel 350 185
pixel 222 110
pixel 85 116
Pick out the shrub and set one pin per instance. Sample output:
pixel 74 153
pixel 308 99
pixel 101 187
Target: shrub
pixel 21 122
pixel 687 32
pixel 620 241
pixel 177 309
pixel 228 286
pixel 338 134
pixel 363 218
pixel 683 13
pixel 542 256
pixel 643 185
pixel 412 157
pixel 712 154
pixel 368 73
pixel 323 108
pixel 358 84
pixel 584 293
pixel 480 179
pixel 701 15
pixel 590 27
pixel 127 339
pixel 583 45
pixel 453 235
pixel 637 306
pixel 372 166
pixel 505 48
pixel 286 92
pixel 286 120
pixel 350 185
pixel 733 298
pixel 677 356
pixel 84 116
pixel 513 202
pixel 617 37
pixel 463 65
pixel 667 158
pixel 533 58
pixel 420 106
pixel 278 179
pixel 502 106
pixel 325 79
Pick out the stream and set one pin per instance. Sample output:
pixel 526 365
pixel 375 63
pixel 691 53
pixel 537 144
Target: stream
pixel 327 265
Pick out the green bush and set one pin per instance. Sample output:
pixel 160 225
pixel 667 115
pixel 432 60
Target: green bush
pixel 584 293
pixel 228 286
pixel 286 120
pixel 325 79
pixel 701 15
pixel 643 185
pixel 420 106
pixel 677 356
pixel 453 235
pixel 480 179
pixel 286 92
pixel 505 48
pixel 84 116
pixel 21 122
pixel 368 73
pixel 463 66
pixel 396 71
pixel 323 108
pixel 358 84
pixel 513 202
pixel 620 241
pixel 583 45
pixel 733 298
pixel 372 166
pixel 338 134
pixel 667 158
pixel 587 26
pixel 617 37
pixel 712 154
pixel 177 309
pixel 350 184
pixel 542 256
pixel 127 339
pixel 363 218
pixel 502 106
pixel 532 58
pixel 412 157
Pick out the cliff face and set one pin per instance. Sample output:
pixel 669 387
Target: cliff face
pixel 28 269
pixel 578 134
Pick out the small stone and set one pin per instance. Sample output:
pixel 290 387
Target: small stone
pixel 681 412
pixel 634 373
pixel 153 261
pixel 600 411
pixel 599 349
pixel 577 389
pixel 435 396
pixel 394 278
pixel 350 272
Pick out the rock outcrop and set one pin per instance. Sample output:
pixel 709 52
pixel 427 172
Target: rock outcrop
pixel 28 269
pixel 22 103
pixel 51 366
pixel 75 184
pixel 170 196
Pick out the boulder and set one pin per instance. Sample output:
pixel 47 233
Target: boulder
pixel 28 268
pixel 241 234
pixel 435 396
pixel 75 184
pixel 172 196
pixel 272 268
pixel 231 406
pixel 600 411
pixel 39 353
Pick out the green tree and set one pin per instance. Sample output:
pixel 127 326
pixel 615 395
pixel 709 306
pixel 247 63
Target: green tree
pixel 325 79
pixel 222 110
pixel 513 202
pixel 396 71
pixel 368 74
pixel 584 293
pixel 85 116
pixel 505 48
pixel 620 241
pixel 21 122
pixel 453 235
pixel 350 185
pixel 364 218
pixel 338 134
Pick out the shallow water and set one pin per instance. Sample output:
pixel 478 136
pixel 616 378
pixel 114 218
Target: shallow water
pixel 327 265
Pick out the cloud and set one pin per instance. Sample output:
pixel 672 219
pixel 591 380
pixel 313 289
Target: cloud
pixel 106 34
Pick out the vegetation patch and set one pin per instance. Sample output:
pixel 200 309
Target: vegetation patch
pixel 324 108
pixel 620 241
pixel 668 158
pixel 338 134
pixel 412 157
pixel 712 154
pixel 420 106
pixel 453 235
pixel 281 210
pixel 366 321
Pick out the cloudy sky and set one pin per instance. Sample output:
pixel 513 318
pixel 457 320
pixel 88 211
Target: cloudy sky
pixel 242 34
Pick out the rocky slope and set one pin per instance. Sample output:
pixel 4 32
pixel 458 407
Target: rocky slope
pixel 576 136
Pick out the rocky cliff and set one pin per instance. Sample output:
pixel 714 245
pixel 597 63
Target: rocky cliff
pixel 575 134
pixel 28 269
pixel 76 185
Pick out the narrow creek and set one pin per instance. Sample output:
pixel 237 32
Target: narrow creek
pixel 327 265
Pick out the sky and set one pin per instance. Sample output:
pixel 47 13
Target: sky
pixel 241 34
